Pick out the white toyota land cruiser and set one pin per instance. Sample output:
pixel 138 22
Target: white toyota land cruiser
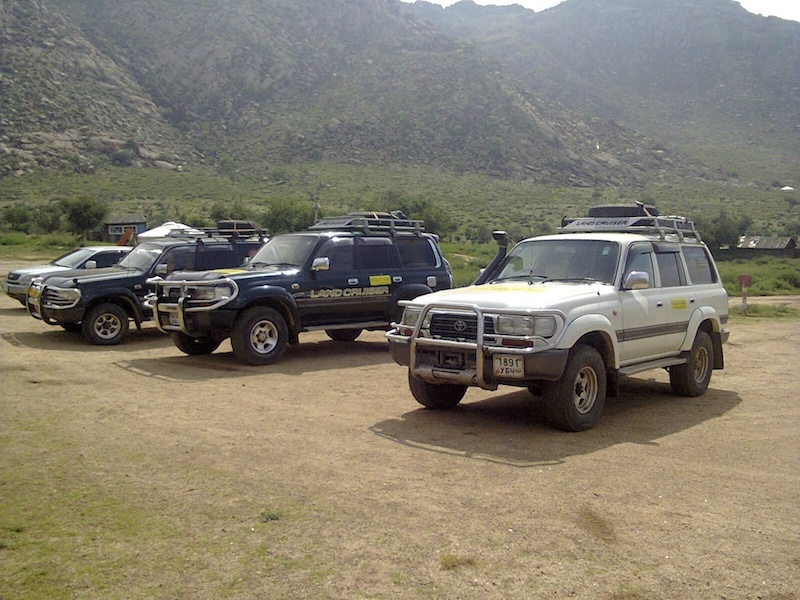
pixel 615 293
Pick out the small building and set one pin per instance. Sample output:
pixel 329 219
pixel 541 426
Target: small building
pixel 768 245
pixel 116 227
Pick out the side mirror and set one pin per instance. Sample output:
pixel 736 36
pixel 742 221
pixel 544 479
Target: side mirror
pixel 160 269
pixel 637 280
pixel 90 264
pixel 321 263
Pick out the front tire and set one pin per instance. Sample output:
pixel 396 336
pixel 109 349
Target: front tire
pixel 436 396
pixel 692 379
pixel 194 346
pixel 343 335
pixel 259 336
pixel 575 402
pixel 105 324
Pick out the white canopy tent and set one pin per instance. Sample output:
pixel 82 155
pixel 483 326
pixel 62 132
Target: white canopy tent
pixel 167 229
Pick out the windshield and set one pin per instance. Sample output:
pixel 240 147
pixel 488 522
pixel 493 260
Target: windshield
pixel 561 259
pixel 74 258
pixel 142 257
pixel 290 250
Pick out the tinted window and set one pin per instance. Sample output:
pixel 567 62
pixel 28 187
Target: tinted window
pixel 178 259
pixel 339 252
pixel 669 266
pixel 216 258
pixel 107 259
pixel 416 252
pixel 376 254
pixel 698 265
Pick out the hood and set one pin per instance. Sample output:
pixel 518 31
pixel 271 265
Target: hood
pixel 37 271
pixel 81 276
pixel 519 294
pixel 235 273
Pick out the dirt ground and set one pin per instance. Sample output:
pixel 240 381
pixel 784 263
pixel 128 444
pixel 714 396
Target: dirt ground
pixel 320 477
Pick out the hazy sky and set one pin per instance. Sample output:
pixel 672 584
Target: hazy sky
pixel 785 9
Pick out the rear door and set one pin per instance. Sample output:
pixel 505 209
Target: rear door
pixel 378 269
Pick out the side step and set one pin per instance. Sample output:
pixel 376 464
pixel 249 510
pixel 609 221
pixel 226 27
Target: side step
pixel 653 364
pixel 362 325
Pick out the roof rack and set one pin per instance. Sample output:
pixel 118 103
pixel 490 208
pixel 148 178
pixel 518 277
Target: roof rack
pixel 371 222
pixel 641 219
pixel 223 231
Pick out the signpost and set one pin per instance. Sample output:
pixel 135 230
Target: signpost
pixel 745 281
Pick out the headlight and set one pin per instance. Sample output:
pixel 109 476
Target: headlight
pixel 411 316
pixel 211 293
pixel 526 325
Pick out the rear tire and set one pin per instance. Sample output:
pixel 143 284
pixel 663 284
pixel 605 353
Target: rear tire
pixel 259 336
pixel 575 402
pixel 692 379
pixel 194 346
pixel 343 335
pixel 436 396
pixel 105 324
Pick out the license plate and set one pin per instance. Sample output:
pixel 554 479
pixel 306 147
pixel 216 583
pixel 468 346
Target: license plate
pixel 508 365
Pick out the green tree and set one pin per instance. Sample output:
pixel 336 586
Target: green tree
pixel 284 215
pixel 83 214
pixel 18 217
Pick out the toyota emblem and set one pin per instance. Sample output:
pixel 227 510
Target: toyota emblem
pixel 460 326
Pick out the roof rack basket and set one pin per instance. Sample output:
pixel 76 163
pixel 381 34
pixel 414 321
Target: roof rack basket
pixel 639 219
pixel 371 222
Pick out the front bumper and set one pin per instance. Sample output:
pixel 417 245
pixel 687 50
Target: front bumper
pixel 477 355
pixel 17 291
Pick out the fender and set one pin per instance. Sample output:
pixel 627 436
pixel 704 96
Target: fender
pixel 258 294
pixel 703 313
pixel 122 296
pixel 591 323
pixel 406 292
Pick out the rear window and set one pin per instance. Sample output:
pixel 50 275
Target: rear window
pixel 698 264
pixel 416 252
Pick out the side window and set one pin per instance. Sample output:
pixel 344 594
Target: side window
pixel 376 254
pixel 339 252
pixel 698 265
pixel 178 259
pixel 416 252
pixel 641 259
pixel 215 258
pixel 107 259
pixel 669 266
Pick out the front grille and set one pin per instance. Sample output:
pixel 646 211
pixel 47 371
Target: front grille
pixel 461 328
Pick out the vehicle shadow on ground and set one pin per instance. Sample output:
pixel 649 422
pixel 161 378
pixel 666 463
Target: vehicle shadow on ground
pixel 61 340
pixel 307 357
pixel 510 428
pixel 19 311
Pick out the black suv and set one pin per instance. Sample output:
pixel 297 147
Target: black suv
pixel 100 303
pixel 343 275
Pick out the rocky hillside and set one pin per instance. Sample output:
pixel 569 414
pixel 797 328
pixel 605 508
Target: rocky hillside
pixel 244 85
pixel 704 75
pixel 65 105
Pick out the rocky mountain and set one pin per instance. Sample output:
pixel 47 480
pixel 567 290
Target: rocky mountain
pixel 64 103
pixel 704 75
pixel 243 85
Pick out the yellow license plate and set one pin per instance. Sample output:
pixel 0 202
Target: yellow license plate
pixel 508 365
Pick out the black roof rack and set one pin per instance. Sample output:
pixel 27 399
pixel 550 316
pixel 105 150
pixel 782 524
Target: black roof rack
pixel 641 219
pixel 224 229
pixel 370 222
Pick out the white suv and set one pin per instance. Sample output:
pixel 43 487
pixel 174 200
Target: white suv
pixel 618 292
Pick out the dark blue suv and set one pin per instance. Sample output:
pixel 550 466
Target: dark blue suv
pixel 343 275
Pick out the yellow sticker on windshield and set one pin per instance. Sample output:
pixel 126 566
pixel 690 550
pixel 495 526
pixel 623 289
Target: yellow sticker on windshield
pixel 380 279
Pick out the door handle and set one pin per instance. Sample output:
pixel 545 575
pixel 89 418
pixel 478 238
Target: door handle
pixel 352 281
